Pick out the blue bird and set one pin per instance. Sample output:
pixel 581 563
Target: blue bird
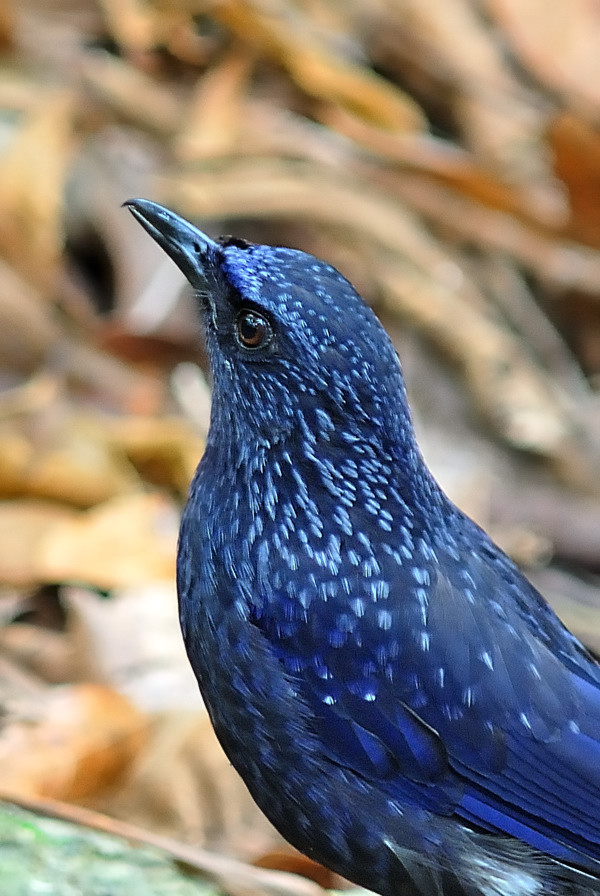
pixel 401 702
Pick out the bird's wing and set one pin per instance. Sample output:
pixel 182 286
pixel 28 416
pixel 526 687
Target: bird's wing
pixel 537 692
pixel 458 691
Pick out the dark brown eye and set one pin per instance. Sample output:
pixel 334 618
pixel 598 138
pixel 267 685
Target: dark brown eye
pixel 252 330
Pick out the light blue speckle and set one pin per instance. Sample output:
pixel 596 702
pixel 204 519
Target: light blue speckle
pixel 487 659
pixel 358 607
pixel 384 620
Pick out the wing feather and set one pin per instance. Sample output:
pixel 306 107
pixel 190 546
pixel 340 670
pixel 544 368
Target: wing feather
pixel 472 699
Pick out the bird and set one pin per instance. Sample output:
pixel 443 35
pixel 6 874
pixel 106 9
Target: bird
pixel 402 704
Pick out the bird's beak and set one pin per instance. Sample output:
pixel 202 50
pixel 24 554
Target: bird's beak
pixel 191 250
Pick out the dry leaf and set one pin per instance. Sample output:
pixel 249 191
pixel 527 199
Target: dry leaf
pixel 214 117
pixel 165 450
pixel 32 177
pixel 559 42
pixel 45 653
pixel 560 262
pixel 513 394
pixel 281 32
pixel 202 798
pixel 477 92
pixel 130 22
pixel 7 24
pixel 28 331
pixel 296 863
pixel 132 93
pixel 66 458
pixel 71 742
pixel 122 542
pixel 24 526
pixel 133 643
pixel 576 149
pixel 445 163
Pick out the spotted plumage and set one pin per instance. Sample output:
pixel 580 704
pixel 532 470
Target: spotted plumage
pixel 401 702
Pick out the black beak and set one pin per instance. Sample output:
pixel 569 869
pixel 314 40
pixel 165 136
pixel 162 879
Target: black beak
pixel 191 250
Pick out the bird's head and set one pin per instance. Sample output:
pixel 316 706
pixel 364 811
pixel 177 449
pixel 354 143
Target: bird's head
pixel 292 345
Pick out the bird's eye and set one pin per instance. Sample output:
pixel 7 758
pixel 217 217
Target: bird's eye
pixel 252 330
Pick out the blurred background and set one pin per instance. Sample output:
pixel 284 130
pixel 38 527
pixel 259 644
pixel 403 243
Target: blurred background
pixel 445 157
